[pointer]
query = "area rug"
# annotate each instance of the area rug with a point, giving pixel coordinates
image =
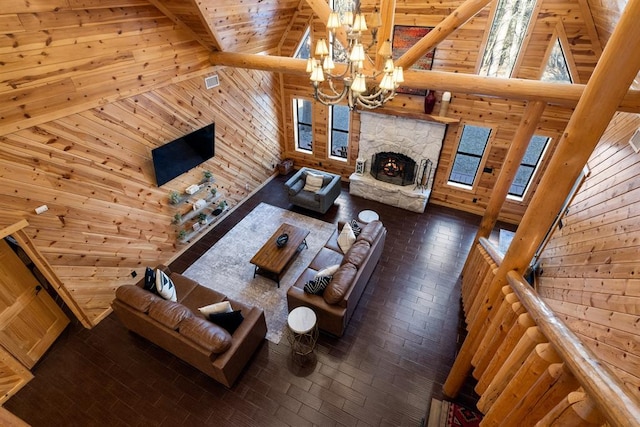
(459, 416)
(225, 266)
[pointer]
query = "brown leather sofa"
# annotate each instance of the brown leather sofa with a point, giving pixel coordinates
(335, 307)
(182, 330)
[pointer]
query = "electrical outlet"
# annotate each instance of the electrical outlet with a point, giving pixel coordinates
(246, 187)
(42, 209)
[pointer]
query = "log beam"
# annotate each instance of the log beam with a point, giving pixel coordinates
(452, 22)
(563, 94)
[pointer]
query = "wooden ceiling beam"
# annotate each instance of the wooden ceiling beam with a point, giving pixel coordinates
(184, 13)
(563, 94)
(452, 22)
(322, 10)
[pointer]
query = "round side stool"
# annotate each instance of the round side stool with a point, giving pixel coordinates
(303, 331)
(367, 216)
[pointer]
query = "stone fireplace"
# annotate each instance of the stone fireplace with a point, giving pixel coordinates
(395, 150)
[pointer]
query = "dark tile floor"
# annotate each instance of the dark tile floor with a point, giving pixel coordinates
(394, 357)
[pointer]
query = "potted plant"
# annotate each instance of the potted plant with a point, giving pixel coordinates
(202, 218)
(214, 191)
(208, 176)
(177, 218)
(174, 197)
(182, 234)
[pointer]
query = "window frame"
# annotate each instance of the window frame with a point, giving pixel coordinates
(330, 131)
(537, 167)
(481, 163)
(296, 125)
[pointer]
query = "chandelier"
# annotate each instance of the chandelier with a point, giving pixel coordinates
(357, 85)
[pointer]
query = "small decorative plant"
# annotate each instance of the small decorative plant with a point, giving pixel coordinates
(182, 234)
(174, 197)
(208, 176)
(177, 218)
(202, 218)
(214, 191)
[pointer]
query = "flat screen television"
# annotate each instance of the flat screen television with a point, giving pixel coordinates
(181, 155)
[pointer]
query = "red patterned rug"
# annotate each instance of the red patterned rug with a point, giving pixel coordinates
(459, 416)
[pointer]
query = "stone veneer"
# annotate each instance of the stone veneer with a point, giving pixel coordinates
(417, 139)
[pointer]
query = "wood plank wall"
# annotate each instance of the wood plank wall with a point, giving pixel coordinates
(89, 88)
(590, 266)
(458, 53)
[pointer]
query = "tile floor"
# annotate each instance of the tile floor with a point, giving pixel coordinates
(393, 359)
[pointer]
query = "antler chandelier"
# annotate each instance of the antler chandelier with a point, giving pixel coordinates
(354, 78)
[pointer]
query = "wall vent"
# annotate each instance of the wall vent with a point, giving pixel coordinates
(211, 81)
(635, 141)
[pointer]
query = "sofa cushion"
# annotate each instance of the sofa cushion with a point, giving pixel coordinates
(346, 238)
(325, 258)
(165, 287)
(357, 253)
(317, 285)
(332, 243)
(168, 313)
(356, 227)
(371, 231)
(229, 321)
(136, 297)
(296, 187)
(340, 284)
(313, 182)
(206, 334)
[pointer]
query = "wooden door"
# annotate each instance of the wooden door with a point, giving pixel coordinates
(30, 320)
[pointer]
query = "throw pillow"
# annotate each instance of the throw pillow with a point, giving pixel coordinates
(229, 321)
(165, 287)
(355, 227)
(317, 286)
(328, 271)
(313, 182)
(346, 238)
(219, 307)
(150, 280)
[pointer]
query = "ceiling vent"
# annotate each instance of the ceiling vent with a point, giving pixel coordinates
(635, 141)
(211, 81)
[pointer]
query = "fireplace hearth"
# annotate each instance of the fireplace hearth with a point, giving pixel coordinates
(394, 168)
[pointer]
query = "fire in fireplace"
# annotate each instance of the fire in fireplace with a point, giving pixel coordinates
(395, 168)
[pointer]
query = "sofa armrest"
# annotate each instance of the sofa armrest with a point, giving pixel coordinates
(297, 177)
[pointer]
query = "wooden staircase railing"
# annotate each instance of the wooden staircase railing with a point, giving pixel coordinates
(531, 369)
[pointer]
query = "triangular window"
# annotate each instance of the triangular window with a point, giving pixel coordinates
(303, 51)
(557, 69)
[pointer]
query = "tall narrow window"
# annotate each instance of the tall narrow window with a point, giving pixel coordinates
(505, 39)
(339, 131)
(528, 167)
(466, 163)
(302, 125)
(557, 69)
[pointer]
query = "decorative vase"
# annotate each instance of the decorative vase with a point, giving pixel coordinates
(282, 240)
(429, 101)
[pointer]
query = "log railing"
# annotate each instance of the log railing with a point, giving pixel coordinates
(531, 369)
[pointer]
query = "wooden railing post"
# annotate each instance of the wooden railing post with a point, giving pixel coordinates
(576, 410)
(533, 367)
(522, 350)
(549, 390)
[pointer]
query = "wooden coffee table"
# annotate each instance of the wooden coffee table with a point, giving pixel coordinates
(272, 261)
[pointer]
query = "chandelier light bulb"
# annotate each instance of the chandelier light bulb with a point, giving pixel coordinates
(321, 48)
(388, 66)
(328, 63)
(334, 21)
(375, 21)
(309, 65)
(359, 23)
(347, 19)
(385, 49)
(398, 75)
(387, 82)
(317, 75)
(359, 85)
(357, 53)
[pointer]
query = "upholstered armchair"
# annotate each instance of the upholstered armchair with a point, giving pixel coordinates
(313, 189)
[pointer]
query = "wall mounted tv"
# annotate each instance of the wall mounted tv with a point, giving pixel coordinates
(179, 156)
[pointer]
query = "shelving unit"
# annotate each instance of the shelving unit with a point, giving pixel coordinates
(194, 221)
